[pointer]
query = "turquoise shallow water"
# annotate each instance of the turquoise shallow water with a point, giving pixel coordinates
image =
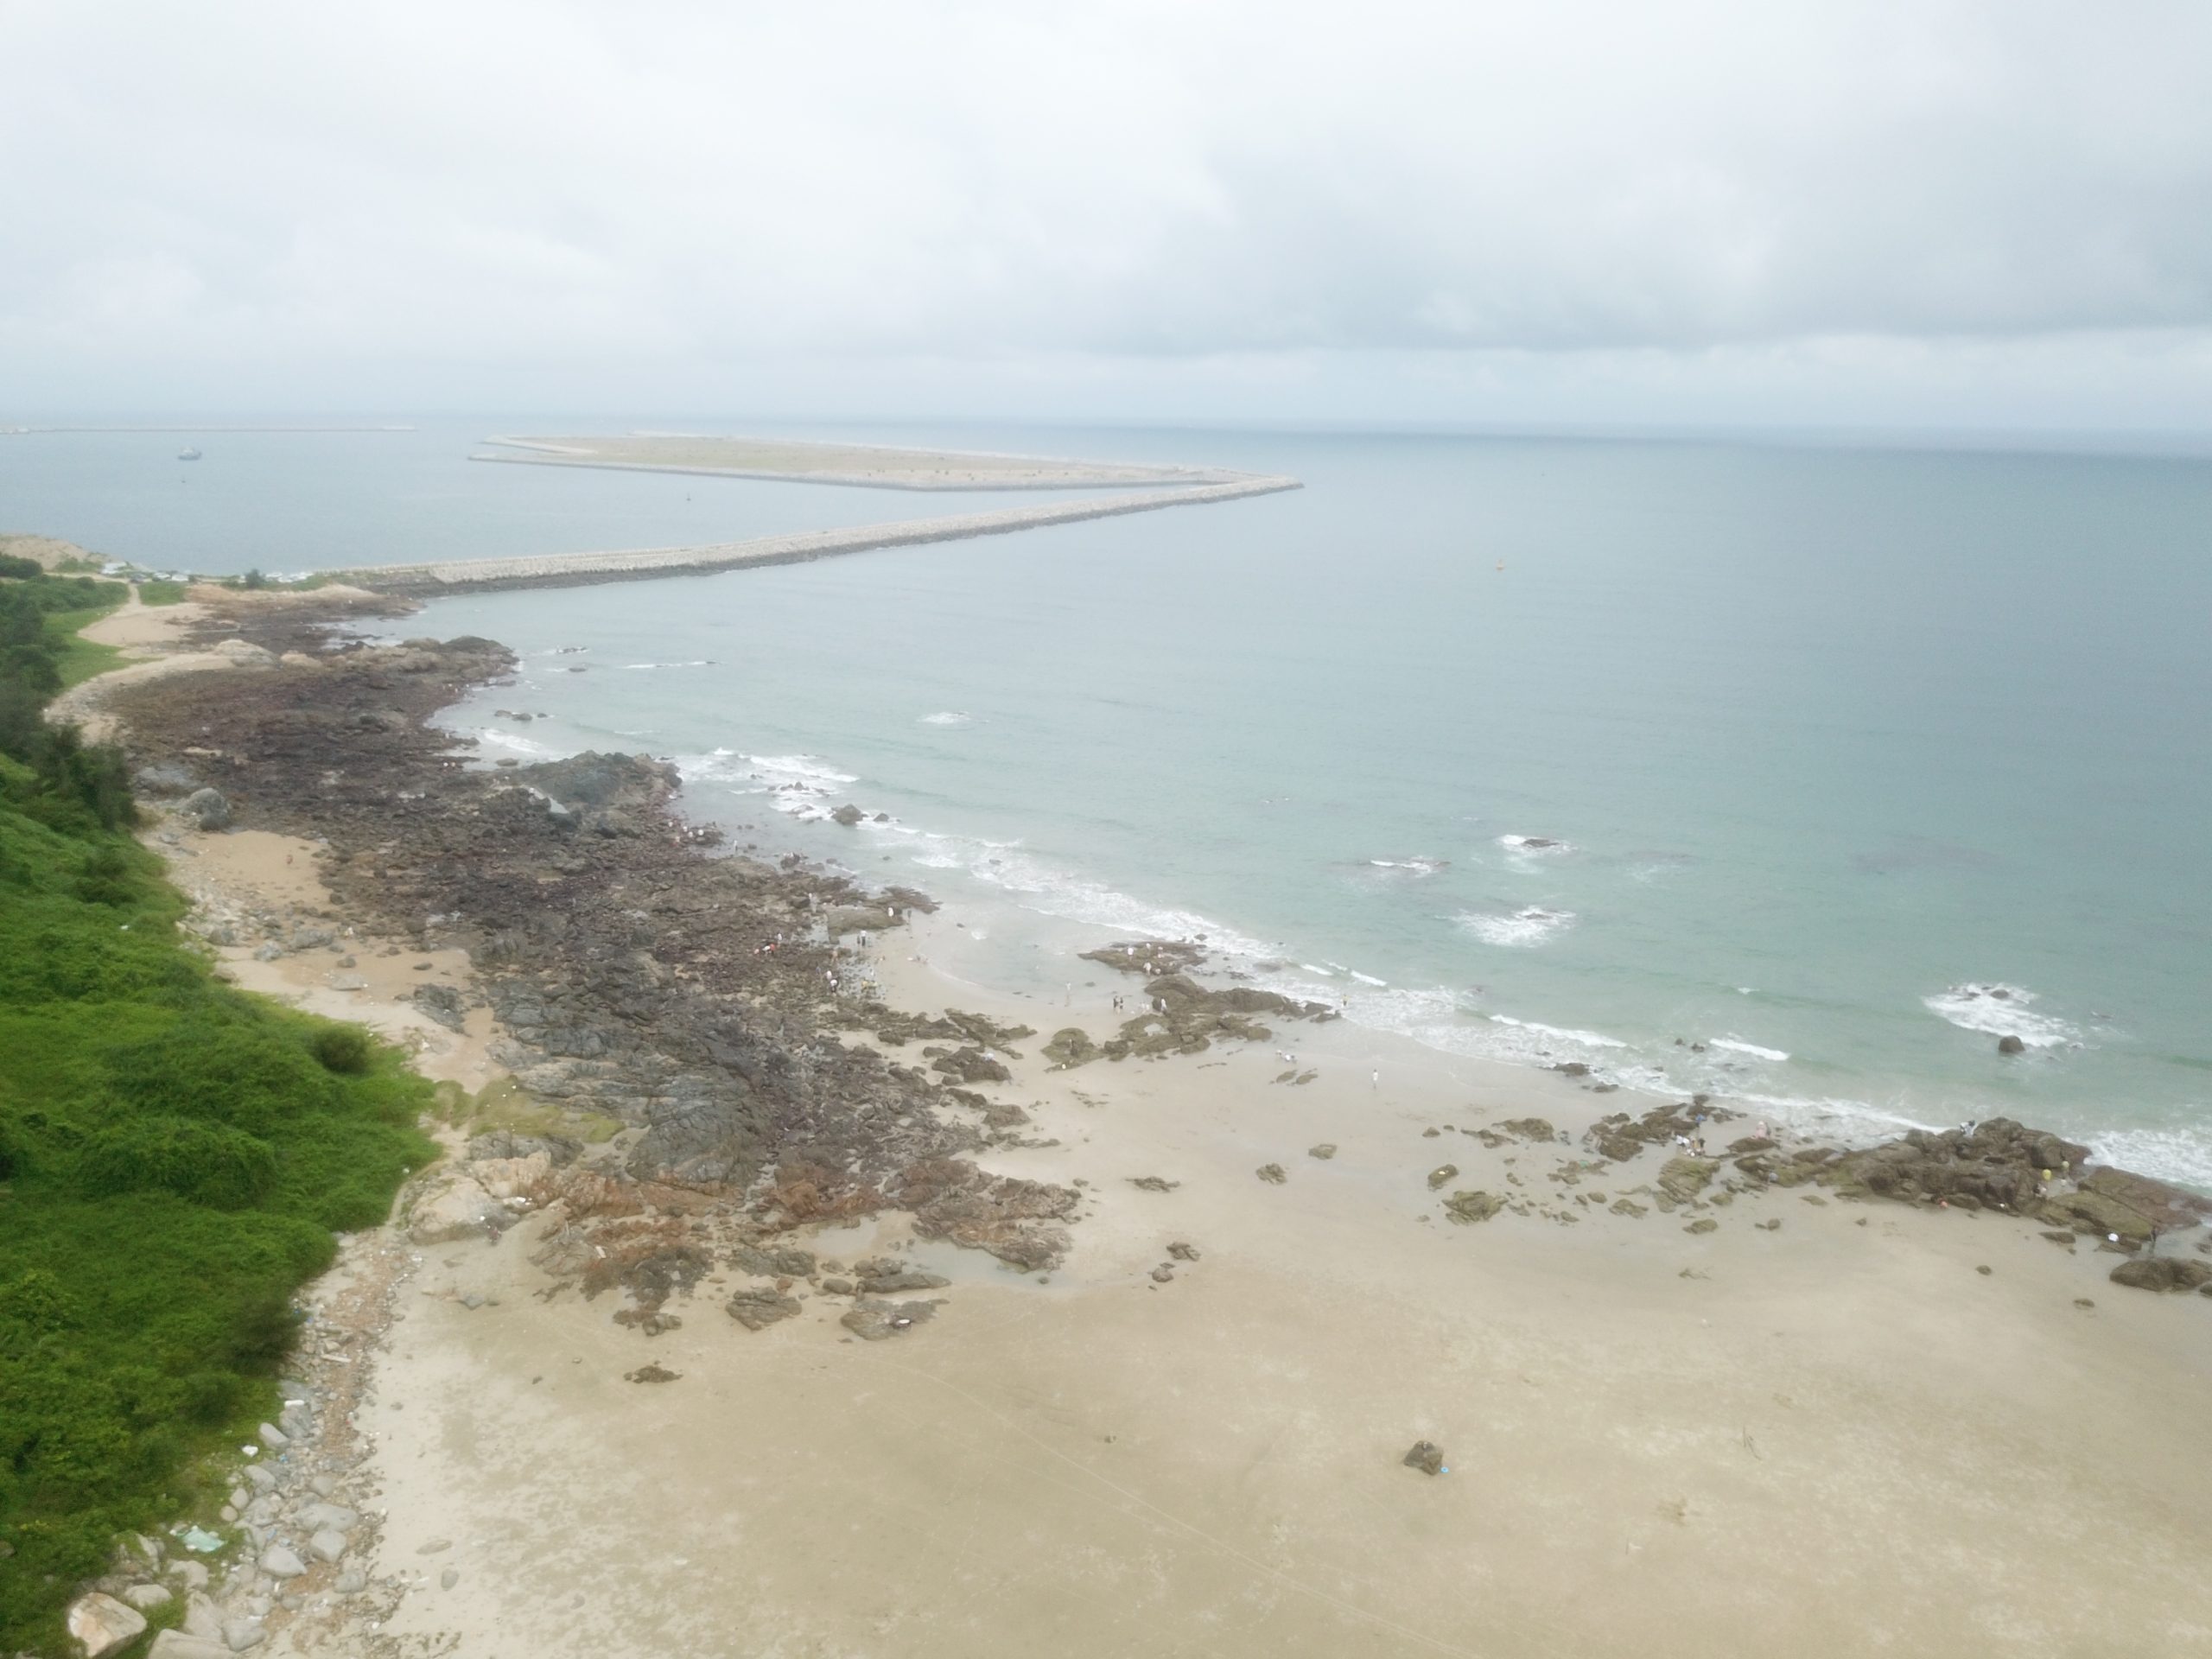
(1836, 744)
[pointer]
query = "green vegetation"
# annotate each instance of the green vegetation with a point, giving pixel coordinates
(173, 1157)
(161, 593)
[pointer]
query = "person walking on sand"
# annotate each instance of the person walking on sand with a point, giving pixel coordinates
(1375, 1078)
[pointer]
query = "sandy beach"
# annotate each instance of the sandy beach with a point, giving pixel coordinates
(864, 466)
(1818, 1424)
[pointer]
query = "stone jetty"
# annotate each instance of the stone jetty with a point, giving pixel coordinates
(642, 564)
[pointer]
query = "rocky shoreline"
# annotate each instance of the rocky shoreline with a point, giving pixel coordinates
(703, 1076)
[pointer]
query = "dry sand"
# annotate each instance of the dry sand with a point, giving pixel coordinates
(1830, 1440)
(867, 466)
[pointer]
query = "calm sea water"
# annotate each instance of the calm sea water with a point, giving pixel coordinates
(1839, 763)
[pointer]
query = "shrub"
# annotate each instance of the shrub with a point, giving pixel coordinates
(347, 1050)
(205, 1163)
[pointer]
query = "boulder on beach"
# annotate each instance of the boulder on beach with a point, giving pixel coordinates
(2163, 1273)
(2009, 1043)
(460, 1209)
(848, 814)
(103, 1624)
(208, 808)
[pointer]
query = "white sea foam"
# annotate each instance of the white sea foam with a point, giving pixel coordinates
(1563, 1034)
(1315, 968)
(701, 662)
(949, 717)
(801, 785)
(514, 740)
(2183, 1156)
(1418, 867)
(1533, 847)
(1370, 979)
(1754, 1050)
(1999, 1010)
(1530, 925)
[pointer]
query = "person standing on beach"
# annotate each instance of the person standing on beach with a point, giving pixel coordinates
(1375, 1078)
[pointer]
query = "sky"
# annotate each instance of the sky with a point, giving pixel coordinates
(1978, 213)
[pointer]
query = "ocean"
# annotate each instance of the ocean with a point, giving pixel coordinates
(1792, 772)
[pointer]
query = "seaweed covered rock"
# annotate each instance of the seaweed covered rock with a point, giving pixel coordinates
(1149, 958)
(756, 1310)
(1469, 1207)
(1071, 1047)
(2164, 1273)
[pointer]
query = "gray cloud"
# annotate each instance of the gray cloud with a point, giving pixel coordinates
(551, 200)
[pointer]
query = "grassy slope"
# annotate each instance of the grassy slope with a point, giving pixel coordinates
(174, 1156)
(79, 660)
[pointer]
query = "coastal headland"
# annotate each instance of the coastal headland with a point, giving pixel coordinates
(790, 1289)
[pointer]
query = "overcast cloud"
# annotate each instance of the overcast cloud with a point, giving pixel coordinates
(1728, 209)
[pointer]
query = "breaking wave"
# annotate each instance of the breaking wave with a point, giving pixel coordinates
(1999, 1010)
(1530, 925)
(1756, 1051)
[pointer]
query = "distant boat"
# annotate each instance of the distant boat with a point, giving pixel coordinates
(188, 454)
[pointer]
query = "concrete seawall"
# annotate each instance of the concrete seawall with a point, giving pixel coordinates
(645, 564)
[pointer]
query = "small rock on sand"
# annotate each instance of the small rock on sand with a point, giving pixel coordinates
(1426, 1456)
(1183, 1252)
(1441, 1175)
(1271, 1173)
(1465, 1207)
(1326, 1150)
(873, 1321)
